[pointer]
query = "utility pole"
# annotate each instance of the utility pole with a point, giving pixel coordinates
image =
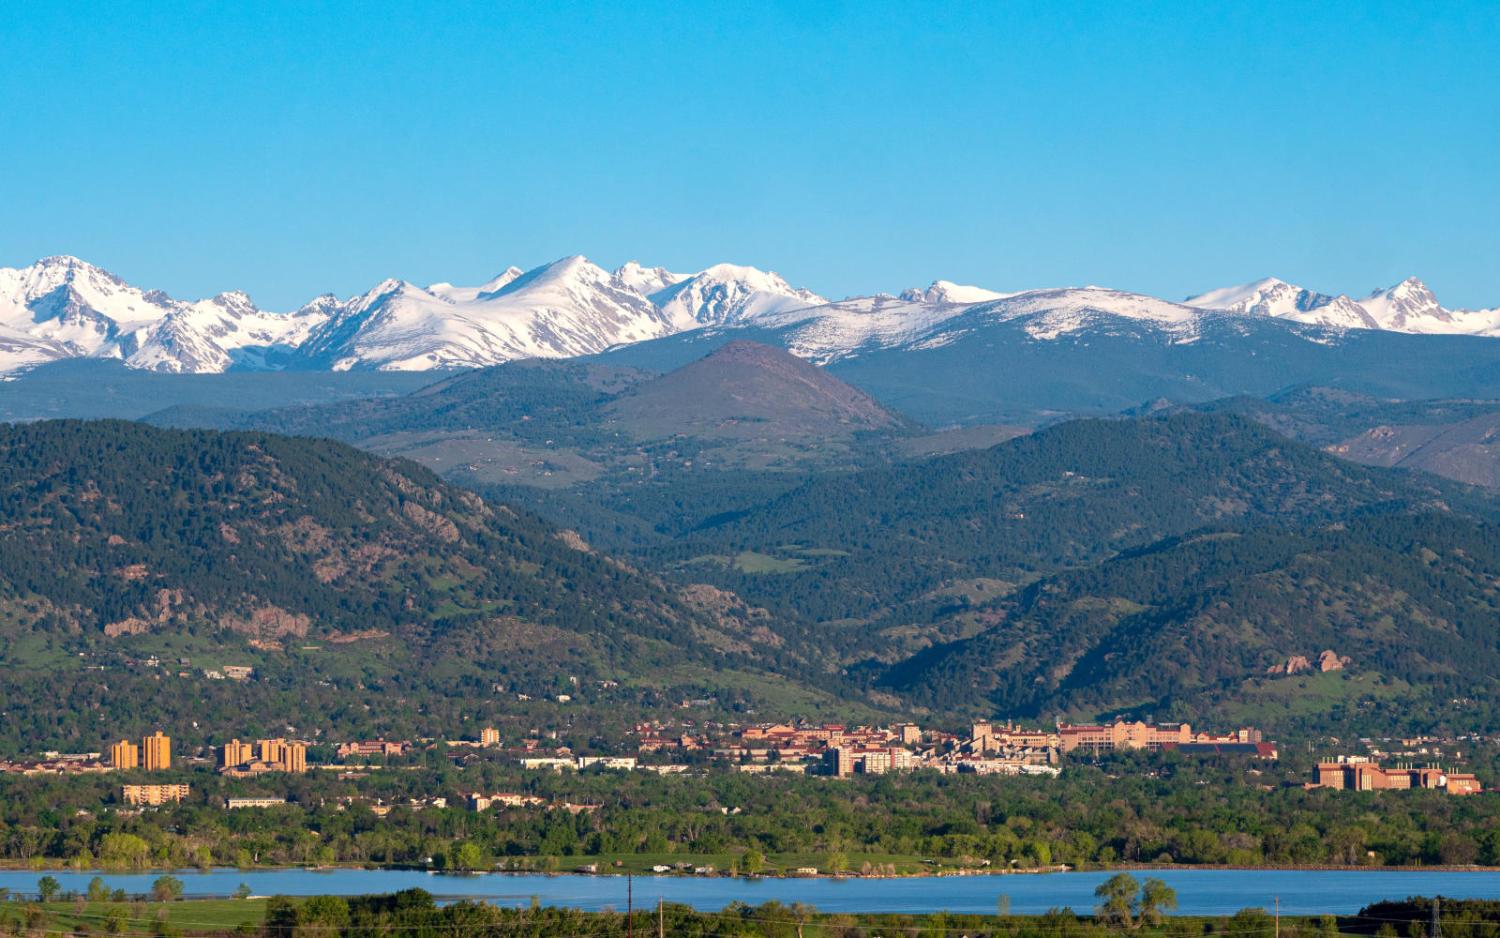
(1435, 930)
(661, 918)
(1277, 900)
(629, 907)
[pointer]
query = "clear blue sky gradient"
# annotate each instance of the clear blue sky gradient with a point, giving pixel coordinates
(292, 149)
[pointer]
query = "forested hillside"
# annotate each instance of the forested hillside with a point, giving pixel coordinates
(851, 546)
(1159, 565)
(121, 529)
(1409, 600)
(1450, 437)
(532, 399)
(344, 576)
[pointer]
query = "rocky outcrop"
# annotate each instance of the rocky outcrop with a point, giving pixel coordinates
(1331, 661)
(1293, 665)
(1328, 660)
(269, 623)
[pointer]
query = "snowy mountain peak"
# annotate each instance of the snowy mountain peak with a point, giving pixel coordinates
(565, 308)
(501, 279)
(1409, 286)
(574, 269)
(387, 287)
(946, 291)
(236, 300)
(1047, 314)
(1230, 297)
(1407, 304)
(1277, 298)
(467, 294)
(50, 273)
(63, 307)
(726, 294)
(60, 268)
(647, 280)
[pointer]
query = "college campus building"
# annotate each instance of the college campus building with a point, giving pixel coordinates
(988, 748)
(867, 760)
(240, 760)
(152, 795)
(373, 747)
(1357, 773)
(1152, 737)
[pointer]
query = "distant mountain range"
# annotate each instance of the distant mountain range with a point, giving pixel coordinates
(553, 423)
(62, 308)
(1038, 357)
(1406, 307)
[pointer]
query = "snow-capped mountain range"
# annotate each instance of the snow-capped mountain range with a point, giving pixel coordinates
(62, 307)
(1406, 307)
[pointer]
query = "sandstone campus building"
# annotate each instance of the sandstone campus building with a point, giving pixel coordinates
(1356, 773)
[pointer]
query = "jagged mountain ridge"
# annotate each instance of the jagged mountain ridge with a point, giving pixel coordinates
(62, 307)
(725, 294)
(567, 308)
(1409, 306)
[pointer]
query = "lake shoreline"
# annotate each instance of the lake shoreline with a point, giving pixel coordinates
(724, 874)
(1200, 891)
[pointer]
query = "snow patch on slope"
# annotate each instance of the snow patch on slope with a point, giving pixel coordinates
(1048, 314)
(836, 330)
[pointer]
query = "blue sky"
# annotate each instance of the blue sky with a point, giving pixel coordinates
(292, 149)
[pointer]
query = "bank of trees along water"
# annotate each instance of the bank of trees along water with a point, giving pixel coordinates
(1190, 813)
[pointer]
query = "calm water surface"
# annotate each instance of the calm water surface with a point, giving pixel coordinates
(1199, 892)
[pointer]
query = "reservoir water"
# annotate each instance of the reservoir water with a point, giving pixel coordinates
(1199, 892)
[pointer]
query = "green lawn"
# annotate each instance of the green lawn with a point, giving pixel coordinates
(191, 916)
(1266, 700)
